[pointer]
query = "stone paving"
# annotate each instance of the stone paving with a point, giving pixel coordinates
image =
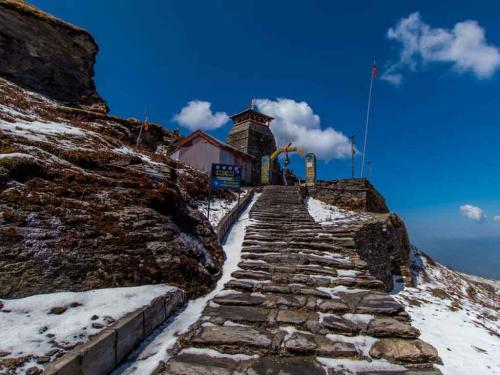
(301, 302)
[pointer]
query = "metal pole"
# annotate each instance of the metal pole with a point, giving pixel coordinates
(209, 199)
(366, 125)
(352, 154)
(139, 137)
(142, 125)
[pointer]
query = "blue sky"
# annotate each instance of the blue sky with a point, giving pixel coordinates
(434, 139)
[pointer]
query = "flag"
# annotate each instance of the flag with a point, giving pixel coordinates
(374, 70)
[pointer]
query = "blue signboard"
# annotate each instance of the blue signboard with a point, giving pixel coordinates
(225, 176)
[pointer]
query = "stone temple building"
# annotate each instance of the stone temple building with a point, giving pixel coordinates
(251, 134)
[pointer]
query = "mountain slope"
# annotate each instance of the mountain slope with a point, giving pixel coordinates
(456, 313)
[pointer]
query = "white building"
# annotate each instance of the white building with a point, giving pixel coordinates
(200, 150)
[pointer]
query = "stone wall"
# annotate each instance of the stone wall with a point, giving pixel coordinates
(382, 241)
(354, 194)
(384, 245)
(44, 54)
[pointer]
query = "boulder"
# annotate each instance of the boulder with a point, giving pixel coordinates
(405, 351)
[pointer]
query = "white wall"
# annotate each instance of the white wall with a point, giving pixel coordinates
(200, 155)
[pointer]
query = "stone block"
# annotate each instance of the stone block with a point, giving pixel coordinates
(98, 355)
(129, 333)
(232, 336)
(154, 314)
(69, 364)
(173, 300)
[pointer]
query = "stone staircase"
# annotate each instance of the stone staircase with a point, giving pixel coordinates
(302, 302)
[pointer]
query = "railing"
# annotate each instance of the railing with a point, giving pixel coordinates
(230, 218)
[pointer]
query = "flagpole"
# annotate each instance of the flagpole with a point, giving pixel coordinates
(367, 119)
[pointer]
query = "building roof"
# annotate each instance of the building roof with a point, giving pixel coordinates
(215, 142)
(264, 118)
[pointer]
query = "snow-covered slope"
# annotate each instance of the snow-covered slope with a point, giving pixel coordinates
(40, 328)
(456, 313)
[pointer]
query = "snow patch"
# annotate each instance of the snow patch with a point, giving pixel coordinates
(215, 354)
(219, 207)
(359, 318)
(362, 343)
(327, 214)
(350, 366)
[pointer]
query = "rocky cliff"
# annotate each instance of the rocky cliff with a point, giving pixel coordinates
(82, 208)
(42, 53)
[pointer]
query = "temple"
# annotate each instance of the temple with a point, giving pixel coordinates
(251, 134)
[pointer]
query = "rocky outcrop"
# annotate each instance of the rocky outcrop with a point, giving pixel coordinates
(383, 243)
(82, 208)
(380, 239)
(47, 55)
(355, 194)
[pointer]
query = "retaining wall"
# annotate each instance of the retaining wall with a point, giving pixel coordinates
(230, 218)
(109, 347)
(351, 193)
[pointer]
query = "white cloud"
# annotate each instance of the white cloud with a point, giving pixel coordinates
(296, 122)
(464, 47)
(197, 114)
(496, 218)
(473, 212)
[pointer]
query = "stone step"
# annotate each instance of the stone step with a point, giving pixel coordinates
(326, 246)
(301, 292)
(290, 269)
(308, 280)
(282, 248)
(300, 258)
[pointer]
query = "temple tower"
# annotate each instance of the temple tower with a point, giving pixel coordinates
(252, 135)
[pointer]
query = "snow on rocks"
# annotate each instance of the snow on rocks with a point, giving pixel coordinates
(46, 325)
(108, 212)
